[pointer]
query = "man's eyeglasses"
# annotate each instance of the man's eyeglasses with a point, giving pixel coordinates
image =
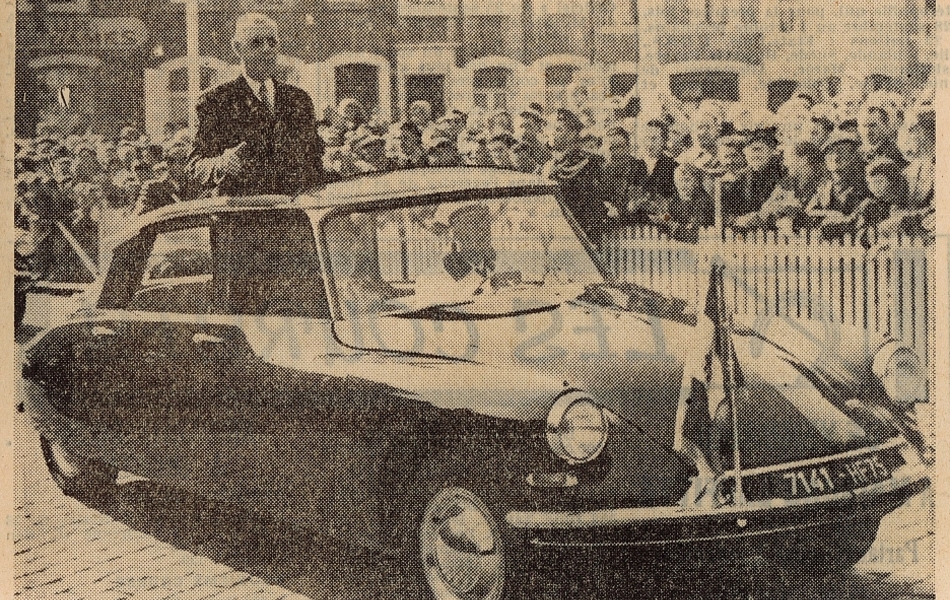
(262, 40)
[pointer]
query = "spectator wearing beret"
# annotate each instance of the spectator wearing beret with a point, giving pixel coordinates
(624, 177)
(579, 174)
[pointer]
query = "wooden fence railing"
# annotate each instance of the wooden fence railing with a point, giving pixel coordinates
(886, 289)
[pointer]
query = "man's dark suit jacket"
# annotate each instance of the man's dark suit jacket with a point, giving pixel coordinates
(660, 180)
(284, 153)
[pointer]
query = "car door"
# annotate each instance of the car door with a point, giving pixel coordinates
(264, 429)
(168, 311)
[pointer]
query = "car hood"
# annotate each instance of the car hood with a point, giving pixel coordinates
(635, 365)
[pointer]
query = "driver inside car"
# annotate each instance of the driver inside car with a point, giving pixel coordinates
(470, 266)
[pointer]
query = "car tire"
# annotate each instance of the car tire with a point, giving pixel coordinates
(460, 552)
(76, 476)
(826, 550)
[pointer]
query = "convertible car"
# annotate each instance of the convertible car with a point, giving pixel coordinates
(437, 366)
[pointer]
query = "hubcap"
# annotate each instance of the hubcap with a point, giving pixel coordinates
(461, 548)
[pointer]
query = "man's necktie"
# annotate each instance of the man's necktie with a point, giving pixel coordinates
(265, 100)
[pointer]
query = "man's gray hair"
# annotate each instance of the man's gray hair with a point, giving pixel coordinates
(249, 20)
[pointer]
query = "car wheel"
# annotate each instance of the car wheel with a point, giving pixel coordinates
(460, 548)
(826, 550)
(76, 476)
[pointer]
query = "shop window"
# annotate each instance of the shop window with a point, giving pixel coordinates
(178, 101)
(491, 87)
(359, 81)
(430, 88)
(557, 79)
(695, 87)
(620, 84)
(780, 91)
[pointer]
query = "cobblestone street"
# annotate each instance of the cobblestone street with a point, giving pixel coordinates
(147, 542)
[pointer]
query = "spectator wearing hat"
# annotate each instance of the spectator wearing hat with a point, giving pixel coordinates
(879, 134)
(660, 164)
(624, 176)
(499, 146)
(784, 209)
(579, 174)
(256, 134)
(531, 131)
(755, 183)
(845, 188)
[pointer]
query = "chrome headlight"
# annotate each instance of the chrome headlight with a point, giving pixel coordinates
(576, 428)
(901, 372)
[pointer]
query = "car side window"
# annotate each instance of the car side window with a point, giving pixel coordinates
(268, 265)
(178, 273)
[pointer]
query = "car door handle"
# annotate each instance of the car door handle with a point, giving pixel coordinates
(99, 332)
(204, 338)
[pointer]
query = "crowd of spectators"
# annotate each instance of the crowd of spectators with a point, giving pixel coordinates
(835, 166)
(817, 163)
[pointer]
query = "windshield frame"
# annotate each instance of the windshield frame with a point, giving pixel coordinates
(320, 218)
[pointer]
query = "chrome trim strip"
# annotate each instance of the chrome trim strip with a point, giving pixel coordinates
(711, 538)
(618, 517)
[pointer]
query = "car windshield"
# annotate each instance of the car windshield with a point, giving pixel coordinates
(495, 255)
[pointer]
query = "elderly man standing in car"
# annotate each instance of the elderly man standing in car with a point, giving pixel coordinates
(256, 135)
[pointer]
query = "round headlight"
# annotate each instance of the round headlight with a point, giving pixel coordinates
(576, 428)
(901, 373)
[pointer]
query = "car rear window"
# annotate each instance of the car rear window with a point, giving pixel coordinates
(178, 273)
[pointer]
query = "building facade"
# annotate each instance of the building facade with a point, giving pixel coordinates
(125, 62)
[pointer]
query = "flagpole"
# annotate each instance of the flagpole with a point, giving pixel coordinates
(194, 69)
(725, 322)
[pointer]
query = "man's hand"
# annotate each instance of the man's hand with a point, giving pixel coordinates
(230, 162)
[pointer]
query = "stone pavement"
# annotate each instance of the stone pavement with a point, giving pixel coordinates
(145, 542)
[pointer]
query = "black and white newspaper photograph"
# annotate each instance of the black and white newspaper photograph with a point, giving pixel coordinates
(474, 299)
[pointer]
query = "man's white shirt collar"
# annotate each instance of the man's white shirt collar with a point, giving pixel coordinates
(261, 87)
